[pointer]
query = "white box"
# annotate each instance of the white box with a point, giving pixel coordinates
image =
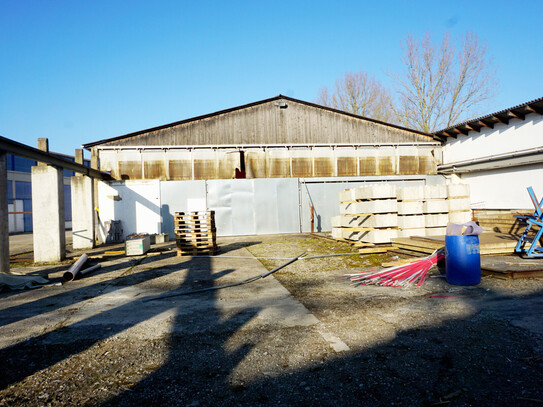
(137, 246)
(411, 222)
(435, 192)
(337, 233)
(458, 191)
(410, 193)
(410, 208)
(412, 232)
(459, 204)
(336, 221)
(381, 206)
(379, 235)
(436, 220)
(436, 231)
(377, 191)
(369, 221)
(436, 206)
(346, 196)
(460, 217)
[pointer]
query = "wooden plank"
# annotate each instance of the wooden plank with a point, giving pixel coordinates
(374, 250)
(358, 229)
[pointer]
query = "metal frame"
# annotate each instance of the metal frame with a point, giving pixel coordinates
(536, 219)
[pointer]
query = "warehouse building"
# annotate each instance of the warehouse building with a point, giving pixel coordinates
(263, 167)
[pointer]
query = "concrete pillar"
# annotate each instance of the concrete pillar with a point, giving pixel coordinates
(4, 221)
(95, 164)
(48, 212)
(82, 208)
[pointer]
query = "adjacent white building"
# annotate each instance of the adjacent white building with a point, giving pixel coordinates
(498, 155)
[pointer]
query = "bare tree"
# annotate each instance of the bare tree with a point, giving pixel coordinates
(359, 93)
(442, 84)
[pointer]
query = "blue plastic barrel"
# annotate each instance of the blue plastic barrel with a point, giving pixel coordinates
(462, 260)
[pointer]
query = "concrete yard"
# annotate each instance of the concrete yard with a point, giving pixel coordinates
(302, 336)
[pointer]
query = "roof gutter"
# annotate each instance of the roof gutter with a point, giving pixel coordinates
(513, 159)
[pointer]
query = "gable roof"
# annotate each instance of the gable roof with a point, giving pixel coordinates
(220, 112)
(503, 116)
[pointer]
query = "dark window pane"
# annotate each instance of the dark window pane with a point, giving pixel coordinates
(67, 203)
(23, 190)
(10, 190)
(22, 164)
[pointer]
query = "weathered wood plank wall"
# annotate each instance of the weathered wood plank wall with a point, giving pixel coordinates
(269, 123)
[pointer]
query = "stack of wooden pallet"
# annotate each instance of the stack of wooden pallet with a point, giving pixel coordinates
(195, 233)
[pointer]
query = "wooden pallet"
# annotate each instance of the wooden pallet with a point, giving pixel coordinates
(196, 251)
(195, 233)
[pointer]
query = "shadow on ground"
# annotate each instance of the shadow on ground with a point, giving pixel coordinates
(217, 359)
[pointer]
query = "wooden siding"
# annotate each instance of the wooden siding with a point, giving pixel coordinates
(269, 123)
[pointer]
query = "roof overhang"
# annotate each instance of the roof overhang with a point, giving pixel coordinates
(489, 121)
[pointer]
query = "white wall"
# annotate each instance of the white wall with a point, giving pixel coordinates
(135, 204)
(500, 188)
(506, 188)
(503, 138)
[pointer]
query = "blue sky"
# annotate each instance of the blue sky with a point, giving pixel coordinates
(79, 71)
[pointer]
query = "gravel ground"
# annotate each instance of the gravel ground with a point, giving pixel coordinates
(479, 346)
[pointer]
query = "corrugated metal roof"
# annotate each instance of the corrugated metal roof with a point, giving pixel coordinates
(503, 116)
(165, 126)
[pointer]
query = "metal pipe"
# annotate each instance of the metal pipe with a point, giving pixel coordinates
(453, 167)
(89, 270)
(75, 268)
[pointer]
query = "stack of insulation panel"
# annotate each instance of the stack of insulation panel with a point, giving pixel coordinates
(436, 210)
(410, 212)
(459, 203)
(368, 214)
(195, 233)
(378, 213)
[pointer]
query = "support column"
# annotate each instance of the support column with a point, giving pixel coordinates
(4, 221)
(49, 232)
(82, 208)
(99, 236)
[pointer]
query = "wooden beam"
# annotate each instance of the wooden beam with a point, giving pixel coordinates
(473, 128)
(517, 115)
(535, 109)
(465, 133)
(501, 120)
(449, 134)
(484, 124)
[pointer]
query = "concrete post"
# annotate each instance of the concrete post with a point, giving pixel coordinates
(82, 208)
(49, 233)
(95, 164)
(4, 221)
